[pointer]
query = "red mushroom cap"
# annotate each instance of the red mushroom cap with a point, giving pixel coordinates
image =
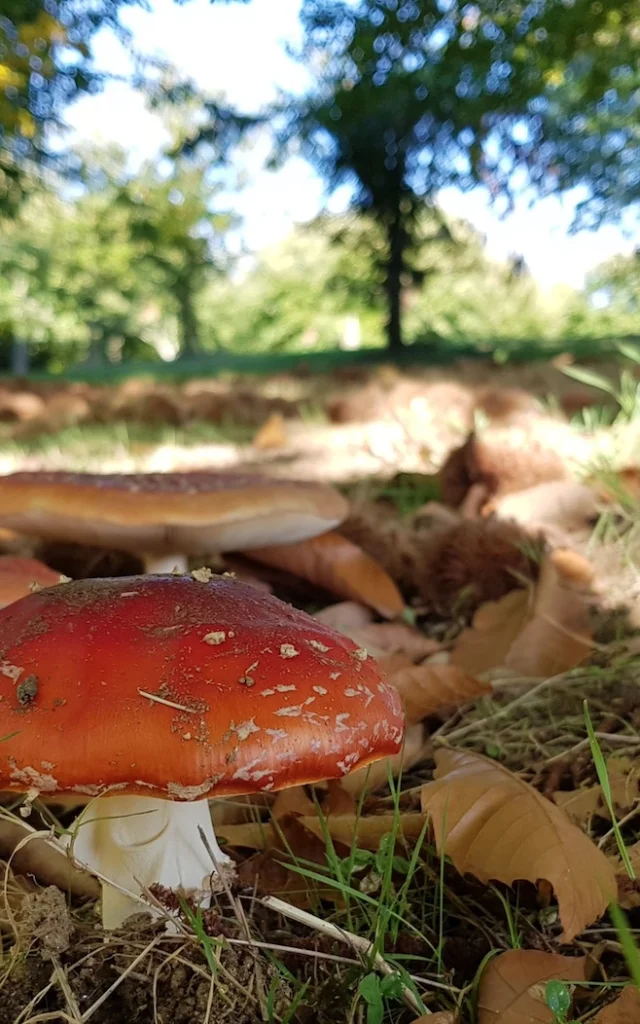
(182, 688)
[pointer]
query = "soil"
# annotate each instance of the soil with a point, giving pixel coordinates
(172, 984)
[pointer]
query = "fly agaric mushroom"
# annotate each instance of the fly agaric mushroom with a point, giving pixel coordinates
(19, 576)
(163, 517)
(152, 694)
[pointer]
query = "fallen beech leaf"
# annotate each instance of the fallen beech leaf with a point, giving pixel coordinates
(579, 804)
(272, 433)
(239, 809)
(393, 638)
(634, 857)
(342, 828)
(495, 626)
(338, 801)
(625, 1009)
(269, 872)
(292, 801)
(558, 507)
(499, 827)
(392, 663)
(345, 616)
(377, 774)
(367, 831)
(558, 635)
(512, 987)
(430, 689)
(336, 564)
(624, 780)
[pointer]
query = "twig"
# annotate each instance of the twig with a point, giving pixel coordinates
(63, 983)
(356, 942)
(240, 914)
(116, 984)
(502, 712)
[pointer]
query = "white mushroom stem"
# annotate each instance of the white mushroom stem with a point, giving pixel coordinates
(137, 841)
(161, 565)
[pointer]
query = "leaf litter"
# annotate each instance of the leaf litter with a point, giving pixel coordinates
(484, 870)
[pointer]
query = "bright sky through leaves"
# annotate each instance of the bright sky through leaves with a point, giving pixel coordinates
(239, 49)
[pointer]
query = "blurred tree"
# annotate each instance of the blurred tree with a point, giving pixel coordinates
(179, 235)
(72, 289)
(413, 95)
(613, 289)
(45, 62)
(300, 294)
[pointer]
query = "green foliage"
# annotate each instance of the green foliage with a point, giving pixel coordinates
(558, 999)
(45, 63)
(110, 272)
(299, 294)
(178, 235)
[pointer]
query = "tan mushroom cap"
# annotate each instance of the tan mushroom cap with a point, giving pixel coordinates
(191, 512)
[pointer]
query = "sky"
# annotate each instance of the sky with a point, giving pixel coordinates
(239, 50)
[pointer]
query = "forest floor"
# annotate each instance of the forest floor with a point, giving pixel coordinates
(488, 876)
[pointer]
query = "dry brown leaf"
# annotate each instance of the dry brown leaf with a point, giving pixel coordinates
(558, 635)
(381, 639)
(392, 663)
(579, 804)
(625, 1009)
(268, 871)
(368, 831)
(272, 433)
(538, 638)
(338, 800)
(292, 801)
(495, 626)
(336, 564)
(345, 616)
(634, 857)
(558, 507)
(239, 809)
(624, 780)
(376, 775)
(394, 638)
(512, 987)
(431, 689)
(499, 827)
(342, 827)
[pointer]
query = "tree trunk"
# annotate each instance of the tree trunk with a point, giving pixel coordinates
(396, 240)
(188, 326)
(19, 357)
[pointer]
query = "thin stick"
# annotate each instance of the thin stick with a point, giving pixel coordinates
(240, 914)
(168, 703)
(132, 966)
(501, 712)
(63, 983)
(355, 941)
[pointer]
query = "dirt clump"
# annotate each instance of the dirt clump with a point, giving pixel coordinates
(171, 984)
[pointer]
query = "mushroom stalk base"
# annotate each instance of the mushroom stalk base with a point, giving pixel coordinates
(162, 565)
(137, 841)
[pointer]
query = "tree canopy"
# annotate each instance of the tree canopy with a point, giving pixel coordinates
(412, 96)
